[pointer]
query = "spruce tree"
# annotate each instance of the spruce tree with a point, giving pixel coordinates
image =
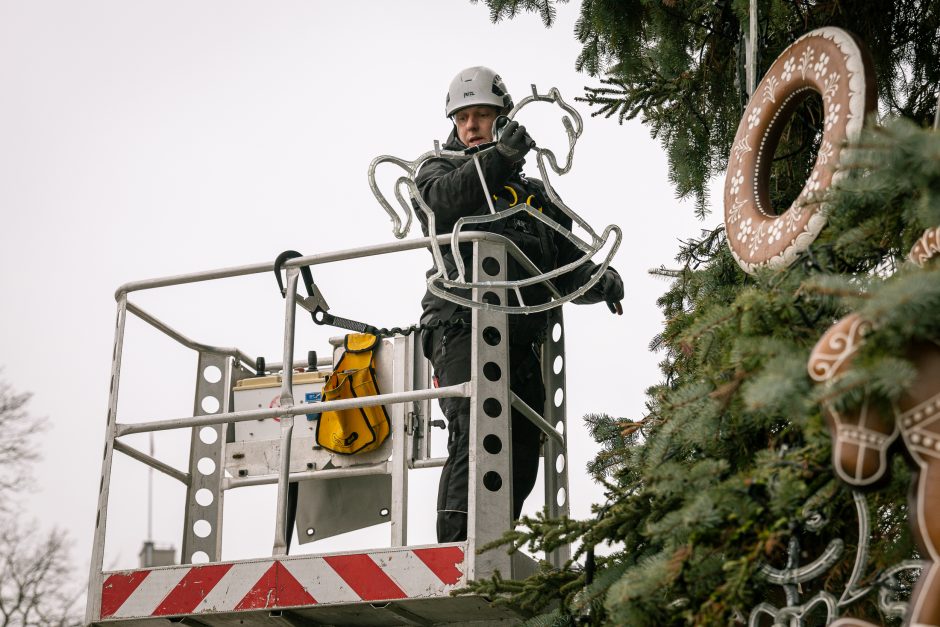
(731, 460)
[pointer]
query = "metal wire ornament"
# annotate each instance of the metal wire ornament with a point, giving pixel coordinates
(792, 576)
(442, 285)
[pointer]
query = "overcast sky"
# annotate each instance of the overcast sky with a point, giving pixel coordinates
(145, 139)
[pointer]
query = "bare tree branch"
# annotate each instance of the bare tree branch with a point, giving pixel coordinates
(16, 449)
(37, 585)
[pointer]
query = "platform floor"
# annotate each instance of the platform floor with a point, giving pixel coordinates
(464, 610)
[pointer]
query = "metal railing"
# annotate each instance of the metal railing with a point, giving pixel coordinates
(489, 510)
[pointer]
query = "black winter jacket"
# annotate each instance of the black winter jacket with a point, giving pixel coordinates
(451, 188)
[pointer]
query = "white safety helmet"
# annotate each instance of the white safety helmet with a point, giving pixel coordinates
(477, 86)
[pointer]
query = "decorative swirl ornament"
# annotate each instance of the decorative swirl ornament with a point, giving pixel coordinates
(827, 61)
(839, 344)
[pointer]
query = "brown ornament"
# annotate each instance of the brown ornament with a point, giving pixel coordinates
(926, 247)
(827, 61)
(861, 439)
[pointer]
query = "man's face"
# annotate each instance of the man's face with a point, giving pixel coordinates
(475, 124)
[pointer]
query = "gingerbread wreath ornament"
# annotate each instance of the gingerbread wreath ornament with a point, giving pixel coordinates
(827, 61)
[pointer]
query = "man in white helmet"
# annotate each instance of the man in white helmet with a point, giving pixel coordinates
(452, 189)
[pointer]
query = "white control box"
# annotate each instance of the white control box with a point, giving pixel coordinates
(265, 393)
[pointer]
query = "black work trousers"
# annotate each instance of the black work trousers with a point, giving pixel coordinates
(449, 352)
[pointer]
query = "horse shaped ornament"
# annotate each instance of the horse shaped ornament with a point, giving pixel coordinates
(862, 437)
(445, 286)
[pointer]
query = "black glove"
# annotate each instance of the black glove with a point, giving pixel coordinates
(514, 142)
(612, 288)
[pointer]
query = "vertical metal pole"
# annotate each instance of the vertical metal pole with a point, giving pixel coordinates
(287, 421)
(936, 115)
(555, 462)
(150, 498)
(95, 577)
(751, 54)
(421, 380)
(401, 376)
(202, 523)
(490, 477)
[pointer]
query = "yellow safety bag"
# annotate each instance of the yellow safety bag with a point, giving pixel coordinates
(361, 429)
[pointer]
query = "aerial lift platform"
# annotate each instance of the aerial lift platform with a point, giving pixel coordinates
(397, 584)
(236, 442)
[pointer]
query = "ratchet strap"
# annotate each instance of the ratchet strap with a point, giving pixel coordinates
(319, 310)
(315, 303)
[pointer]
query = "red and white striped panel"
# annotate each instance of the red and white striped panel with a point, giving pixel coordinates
(291, 582)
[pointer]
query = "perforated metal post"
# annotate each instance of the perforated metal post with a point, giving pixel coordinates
(490, 480)
(202, 526)
(556, 455)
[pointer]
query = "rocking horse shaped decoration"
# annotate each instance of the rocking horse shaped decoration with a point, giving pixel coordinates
(450, 287)
(863, 435)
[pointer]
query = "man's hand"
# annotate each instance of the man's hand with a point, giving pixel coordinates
(612, 288)
(514, 142)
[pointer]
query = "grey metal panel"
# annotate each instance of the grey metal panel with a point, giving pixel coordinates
(205, 454)
(318, 506)
(330, 507)
(490, 477)
(555, 454)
